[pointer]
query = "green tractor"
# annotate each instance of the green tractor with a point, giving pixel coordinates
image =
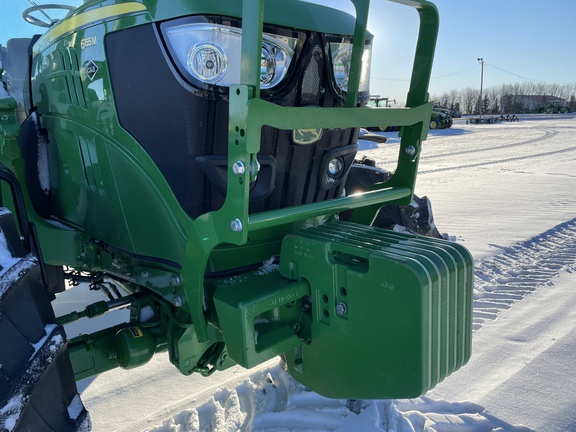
(441, 119)
(196, 161)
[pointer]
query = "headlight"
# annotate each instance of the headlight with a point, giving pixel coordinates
(341, 60)
(276, 58)
(207, 62)
(211, 53)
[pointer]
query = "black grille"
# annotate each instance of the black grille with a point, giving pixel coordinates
(185, 132)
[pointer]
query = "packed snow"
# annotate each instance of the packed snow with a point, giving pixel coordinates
(6, 259)
(506, 192)
(42, 160)
(11, 268)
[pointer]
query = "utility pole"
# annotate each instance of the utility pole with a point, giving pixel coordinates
(481, 61)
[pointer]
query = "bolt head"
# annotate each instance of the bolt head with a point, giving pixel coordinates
(410, 150)
(254, 170)
(341, 308)
(238, 168)
(236, 225)
(177, 301)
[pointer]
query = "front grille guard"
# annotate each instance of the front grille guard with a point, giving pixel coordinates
(232, 223)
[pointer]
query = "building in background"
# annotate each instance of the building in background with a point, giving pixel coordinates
(533, 104)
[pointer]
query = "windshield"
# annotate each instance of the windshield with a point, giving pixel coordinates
(12, 25)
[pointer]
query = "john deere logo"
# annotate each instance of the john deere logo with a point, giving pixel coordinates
(306, 136)
(91, 70)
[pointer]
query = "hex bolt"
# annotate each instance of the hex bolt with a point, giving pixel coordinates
(177, 301)
(236, 225)
(410, 150)
(254, 170)
(145, 274)
(175, 281)
(238, 168)
(341, 308)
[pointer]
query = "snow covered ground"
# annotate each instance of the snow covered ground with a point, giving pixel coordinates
(507, 192)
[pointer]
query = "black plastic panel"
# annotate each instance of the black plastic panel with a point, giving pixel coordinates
(179, 126)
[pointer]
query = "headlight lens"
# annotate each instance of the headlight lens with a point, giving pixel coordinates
(207, 62)
(211, 53)
(335, 167)
(341, 61)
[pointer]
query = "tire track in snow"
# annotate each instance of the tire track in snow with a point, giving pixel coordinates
(500, 161)
(425, 414)
(272, 401)
(508, 277)
(547, 134)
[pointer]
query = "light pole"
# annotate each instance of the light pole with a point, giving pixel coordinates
(481, 61)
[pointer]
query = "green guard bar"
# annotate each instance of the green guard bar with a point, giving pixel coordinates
(248, 113)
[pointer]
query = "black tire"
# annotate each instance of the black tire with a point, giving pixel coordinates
(416, 218)
(37, 387)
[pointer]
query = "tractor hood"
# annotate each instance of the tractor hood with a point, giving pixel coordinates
(294, 14)
(298, 15)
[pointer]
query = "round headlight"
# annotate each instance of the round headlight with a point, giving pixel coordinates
(274, 61)
(207, 62)
(341, 61)
(267, 66)
(335, 167)
(207, 53)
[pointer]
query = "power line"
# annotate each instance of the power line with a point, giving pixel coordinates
(472, 67)
(519, 76)
(434, 77)
(455, 73)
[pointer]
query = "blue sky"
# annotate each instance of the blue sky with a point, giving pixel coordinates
(11, 22)
(519, 40)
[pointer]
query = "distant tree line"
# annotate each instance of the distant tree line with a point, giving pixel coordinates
(506, 98)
